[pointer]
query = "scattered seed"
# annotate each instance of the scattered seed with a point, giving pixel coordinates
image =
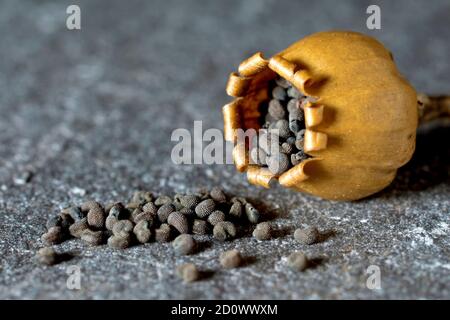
(93, 238)
(298, 157)
(142, 197)
(252, 213)
(188, 213)
(297, 261)
(150, 207)
(142, 231)
(218, 195)
(75, 213)
(162, 200)
(122, 227)
(230, 259)
(236, 210)
(178, 221)
(188, 272)
(133, 205)
(119, 242)
(95, 214)
(307, 235)
(200, 227)
(163, 233)
(287, 148)
(164, 211)
(144, 216)
(77, 228)
(263, 231)
(205, 208)
(224, 230)
(54, 235)
(47, 256)
(184, 244)
(215, 217)
(118, 211)
(189, 201)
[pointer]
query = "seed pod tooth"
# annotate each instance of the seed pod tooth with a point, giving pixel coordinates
(253, 65)
(237, 85)
(232, 120)
(313, 114)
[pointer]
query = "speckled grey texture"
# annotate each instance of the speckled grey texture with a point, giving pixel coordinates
(90, 114)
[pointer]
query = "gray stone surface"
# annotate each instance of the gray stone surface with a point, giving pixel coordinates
(90, 114)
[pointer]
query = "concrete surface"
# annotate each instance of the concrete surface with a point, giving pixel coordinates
(90, 113)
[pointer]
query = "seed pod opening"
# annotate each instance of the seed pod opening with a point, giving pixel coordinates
(359, 114)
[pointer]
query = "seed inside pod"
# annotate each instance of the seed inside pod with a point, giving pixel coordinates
(178, 221)
(188, 272)
(54, 235)
(122, 227)
(231, 259)
(276, 110)
(47, 256)
(164, 211)
(258, 156)
(77, 228)
(218, 195)
(119, 242)
(200, 227)
(184, 244)
(307, 235)
(163, 233)
(224, 230)
(93, 238)
(189, 201)
(297, 261)
(278, 163)
(205, 208)
(142, 231)
(263, 231)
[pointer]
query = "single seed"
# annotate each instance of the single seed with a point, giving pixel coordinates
(278, 163)
(300, 138)
(54, 235)
(263, 231)
(297, 261)
(133, 205)
(47, 256)
(230, 259)
(283, 128)
(236, 210)
(200, 227)
(293, 105)
(218, 195)
(178, 221)
(252, 213)
(118, 211)
(150, 207)
(205, 208)
(163, 233)
(215, 217)
(188, 272)
(135, 213)
(188, 213)
(294, 93)
(142, 197)
(276, 110)
(119, 242)
(122, 227)
(184, 244)
(224, 230)
(142, 231)
(110, 221)
(93, 238)
(307, 235)
(162, 200)
(164, 211)
(75, 213)
(279, 93)
(144, 216)
(77, 228)
(95, 214)
(189, 201)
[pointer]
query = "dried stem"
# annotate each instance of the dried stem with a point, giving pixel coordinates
(433, 108)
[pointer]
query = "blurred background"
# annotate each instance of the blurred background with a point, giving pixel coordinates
(89, 113)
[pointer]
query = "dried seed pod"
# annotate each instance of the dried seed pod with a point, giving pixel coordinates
(162, 200)
(142, 231)
(278, 163)
(215, 217)
(204, 208)
(95, 214)
(54, 221)
(218, 195)
(118, 211)
(142, 197)
(252, 213)
(164, 211)
(54, 235)
(119, 242)
(163, 233)
(263, 231)
(276, 110)
(77, 228)
(200, 227)
(224, 230)
(122, 227)
(279, 93)
(236, 210)
(307, 235)
(93, 238)
(178, 221)
(150, 207)
(230, 259)
(188, 272)
(297, 261)
(189, 201)
(47, 256)
(184, 244)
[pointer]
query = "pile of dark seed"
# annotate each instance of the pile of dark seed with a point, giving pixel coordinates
(148, 218)
(279, 144)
